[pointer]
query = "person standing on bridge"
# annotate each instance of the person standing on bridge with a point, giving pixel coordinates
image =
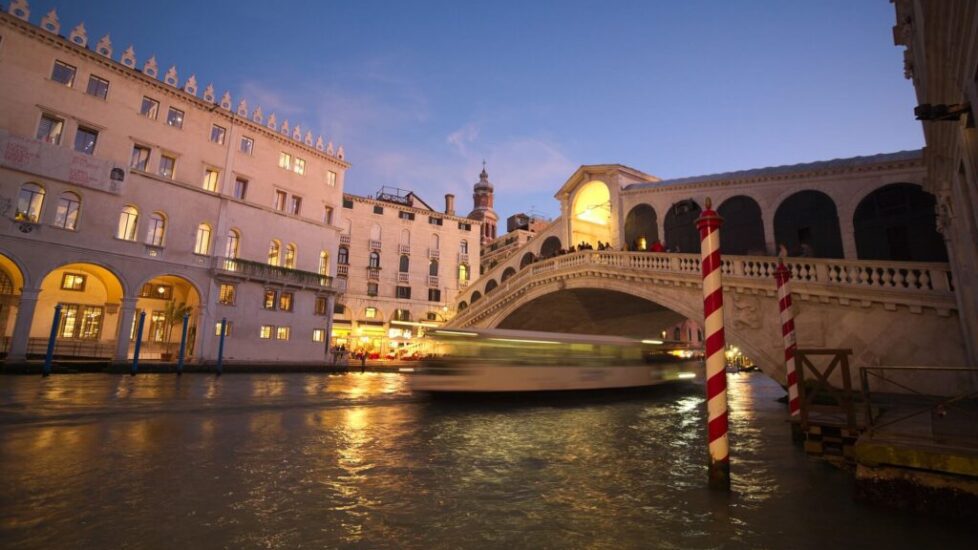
(657, 247)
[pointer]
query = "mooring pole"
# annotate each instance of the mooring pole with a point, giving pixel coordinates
(183, 343)
(783, 276)
(716, 373)
(55, 323)
(139, 343)
(220, 346)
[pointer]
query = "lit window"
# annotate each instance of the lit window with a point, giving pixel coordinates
(463, 273)
(156, 291)
(226, 294)
(328, 215)
(266, 332)
(402, 315)
(318, 335)
(156, 229)
(321, 305)
(150, 108)
(300, 166)
(324, 263)
(73, 281)
(174, 117)
(139, 158)
(370, 313)
(202, 245)
(128, 219)
(50, 128)
(247, 145)
(280, 200)
(217, 134)
(289, 260)
(29, 202)
(282, 333)
(67, 215)
(273, 253)
(227, 328)
(63, 73)
(285, 301)
(295, 205)
(168, 166)
(331, 178)
(240, 188)
(231, 248)
(210, 180)
(285, 161)
(97, 87)
(271, 296)
(85, 139)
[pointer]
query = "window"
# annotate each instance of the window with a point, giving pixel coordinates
(218, 133)
(29, 202)
(85, 139)
(347, 203)
(434, 221)
(285, 161)
(431, 316)
(156, 291)
(247, 145)
(225, 295)
(374, 260)
(405, 215)
(299, 167)
(318, 335)
(240, 188)
(370, 313)
(434, 294)
(405, 264)
(282, 333)
(339, 309)
(271, 297)
(63, 73)
(273, 253)
(465, 226)
(289, 261)
(227, 328)
(210, 180)
(280, 200)
(97, 87)
(403, 292)
(285, 301)
(174, 117)
(328, 215)
(331, 178)
(463, 247)
(150, 108)
(168, 166)
(343, 256)
(157, 325)
(156, 229)
(372, 289)
(231, 247)
(321, 305)
(324, 263)
(81, 322)
(463, 273)
(295, 205)
(50, 128)
(266, 332)
(202, 245)
(140, 157)
(66, 216)
(433, 268)
(378, 209)
(73, 281)
(127, 223)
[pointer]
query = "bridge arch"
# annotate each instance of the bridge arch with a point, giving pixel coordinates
(550, 247)
(743, 228)
(680, 227)
(491, 285)
(527, 259)
(507, 273)
(898, 222)
(641, 227)
(807, 223)
(476, 296)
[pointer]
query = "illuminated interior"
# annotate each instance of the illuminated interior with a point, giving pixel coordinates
(591, 220)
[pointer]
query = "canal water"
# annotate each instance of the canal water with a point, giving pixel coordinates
(357, 461)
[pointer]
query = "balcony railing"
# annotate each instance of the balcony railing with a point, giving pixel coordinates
(374, 245)
(257, 271)
(345, 240)
(404, 249)
(342, 271)
(463, 258)
(433, 253)
(373, 274)
(402, 277)
(433, 280)
(463, 284)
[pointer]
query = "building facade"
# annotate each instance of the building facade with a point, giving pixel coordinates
(482, 203)
(127, 194)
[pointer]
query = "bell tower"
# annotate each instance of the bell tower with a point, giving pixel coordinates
(482, 201)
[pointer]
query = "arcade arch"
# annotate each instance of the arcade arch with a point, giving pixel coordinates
(641, 227)
(680, 227)
(898, 222)
(550, 247)
(807, 223)
(743, 228)
(591, 213)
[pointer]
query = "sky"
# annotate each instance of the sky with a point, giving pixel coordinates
(419, 93)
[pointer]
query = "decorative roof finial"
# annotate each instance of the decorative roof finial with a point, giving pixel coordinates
(171, 76)
(104, 46)
(79, 35)
(308, 139)
(20, 9)
(50, 22)
(297, 133)
(150, 68)
(258, 116)
(129, 57)
(209, 93)
(319, 143)
(273, 122)
(190, 86)
(226, 101)
(285, 126)
(243, 108)
(329, 149)
(339, 153)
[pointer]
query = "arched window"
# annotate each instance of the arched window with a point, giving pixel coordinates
(233, 243)
(375, 232)
(433, 268)
(343, 256)
(324, 263)
(898, 222)
(807, 223)
(29, 203)
(274, 249)
(507, 273)
(743, 230)
(463, 273)
(641, 227)
(156, 229)
(680, 227)
(463, 247)
(405, 264)
(550, 247)
(491, 285)
(527, 259)
(289, 261)
(203, 243)
(462, 306)
(402, 315)
(67, 215)
(128, 219)
(405, 237)
(476, 296)
(374, 259)
(435, 241)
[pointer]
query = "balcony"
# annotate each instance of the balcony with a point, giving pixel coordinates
(402, 277)
(403, 249)
(433, 253)
(463, 257)
(374, 245)
(433, 281)
(345, 240)
(463, 284)
(248, 270)
(342, 271)
(373, 273)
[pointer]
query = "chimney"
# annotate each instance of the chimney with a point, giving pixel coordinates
(450, 204)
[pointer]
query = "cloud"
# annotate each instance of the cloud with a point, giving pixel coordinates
(464, 135)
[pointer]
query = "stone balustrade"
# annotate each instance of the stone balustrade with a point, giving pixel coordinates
(271, 274)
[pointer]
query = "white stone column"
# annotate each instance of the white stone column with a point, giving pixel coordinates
(330, 305)
(848, 232)
(22, 325)
(127, 312)
(770, 242)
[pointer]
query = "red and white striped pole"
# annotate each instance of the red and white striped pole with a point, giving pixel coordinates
(716, 373)
(782, 275)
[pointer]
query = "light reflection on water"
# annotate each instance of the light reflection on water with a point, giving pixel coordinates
(358, 461)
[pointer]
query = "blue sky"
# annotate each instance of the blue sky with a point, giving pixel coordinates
(419, 93)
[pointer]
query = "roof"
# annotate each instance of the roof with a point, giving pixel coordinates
(774, 171)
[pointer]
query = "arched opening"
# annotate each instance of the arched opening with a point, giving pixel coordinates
(807, 223)
(343, 256)
(527, 259)
(233, 244)
(374, 260)
(405, 237)
(69, 206)
(476, 296)
(128, 221)
(550, 247)
(202, 241)
(491, 285)
(507, 273)
(462, 306)
(680, 227)
(29, 203)
(898, 222)
(641, 227)
(274, 253)
(290, 256)
(404, 265)
(323, 263)
(591, 213)
(375, 232)
(433, 268)
(11, 282)
(166, 299)
(435, 243)
(463, 274)
(743, 230)
(156, 229)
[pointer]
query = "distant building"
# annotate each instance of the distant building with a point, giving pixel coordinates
(526, 222)
(482, 199)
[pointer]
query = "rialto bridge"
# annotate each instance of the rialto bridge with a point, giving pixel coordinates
(869, 268)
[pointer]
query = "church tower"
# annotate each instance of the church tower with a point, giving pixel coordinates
(482, 201)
